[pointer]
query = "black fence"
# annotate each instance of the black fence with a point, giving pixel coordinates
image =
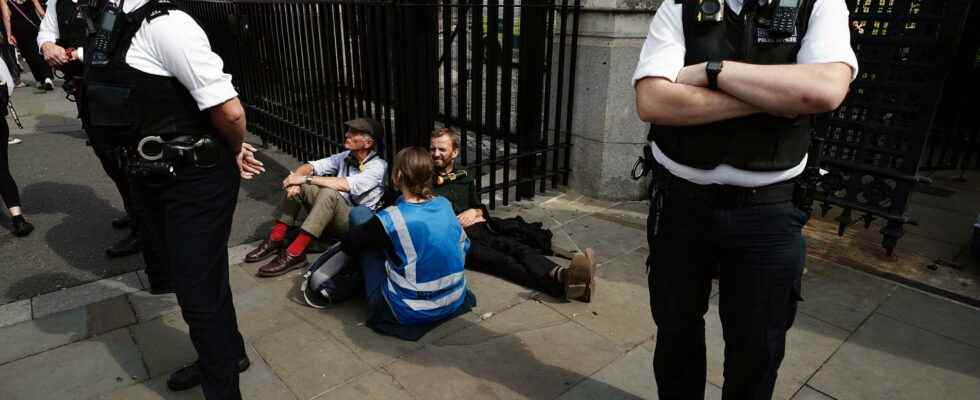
(872, 146)
(502, 72)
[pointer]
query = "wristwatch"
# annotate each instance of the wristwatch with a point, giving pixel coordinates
(309, 178)
(713, 68)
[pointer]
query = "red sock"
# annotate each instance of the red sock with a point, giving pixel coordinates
(299, 245)
(278, 232)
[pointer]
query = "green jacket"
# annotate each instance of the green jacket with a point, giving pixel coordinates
(461, 192)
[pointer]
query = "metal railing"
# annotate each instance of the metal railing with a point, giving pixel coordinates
(502, 72)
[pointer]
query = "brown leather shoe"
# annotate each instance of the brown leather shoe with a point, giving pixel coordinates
(579, 279)
(267, 249)
(282, 264)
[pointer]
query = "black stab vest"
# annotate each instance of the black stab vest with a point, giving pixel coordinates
(758, 142)
(123, 104)
(71, 29)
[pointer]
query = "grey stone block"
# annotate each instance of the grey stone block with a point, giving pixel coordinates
(310, 362)
(242, 280)
(609, 239)
(841, 296)
(78, 296)
(165, 344)
(345, 322)
(15, 313)
(263, 309)
(934, 314)
(79, 370)
(620, 307)
(888, 359)
(148, 306)
(236, 254)
(153, 389)
(808, 346)
(529, 315)
(35, 336)
(259, 382)
(373, 385)
(538, 364)
(630, 377)
(808, 393)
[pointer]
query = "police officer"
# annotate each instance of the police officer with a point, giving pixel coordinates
(157, 90)
(728, 89)
(61, 39)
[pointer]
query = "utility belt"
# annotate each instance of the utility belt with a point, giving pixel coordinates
(156, 157)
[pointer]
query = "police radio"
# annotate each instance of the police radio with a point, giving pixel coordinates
(105, 35)
(782, 23)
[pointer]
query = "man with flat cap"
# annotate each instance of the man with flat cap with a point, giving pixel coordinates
(328, 188)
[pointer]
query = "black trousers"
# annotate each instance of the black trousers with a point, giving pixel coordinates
(8, 188)
(189, 221)
(507, 258)
(760, 252)
(26, 35)
(114, 169)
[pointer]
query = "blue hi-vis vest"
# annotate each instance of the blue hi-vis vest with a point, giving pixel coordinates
(425, 273)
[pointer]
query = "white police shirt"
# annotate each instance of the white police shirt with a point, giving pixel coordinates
(828, 39)
(170, 45)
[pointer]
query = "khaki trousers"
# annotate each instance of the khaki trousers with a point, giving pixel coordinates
(328, 211)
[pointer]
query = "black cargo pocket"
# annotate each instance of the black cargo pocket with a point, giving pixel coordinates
(108, 105)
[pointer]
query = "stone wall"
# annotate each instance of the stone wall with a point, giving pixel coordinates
(607, 135)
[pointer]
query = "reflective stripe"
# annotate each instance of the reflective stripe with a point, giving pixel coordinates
(422, 305)
(462, 242)
(406, 241)
(430, 286)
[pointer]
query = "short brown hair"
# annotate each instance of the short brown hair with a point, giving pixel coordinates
(412, 170)
(453, 134)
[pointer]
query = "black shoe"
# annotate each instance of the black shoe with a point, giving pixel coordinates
(129, 245)
(121, 222)
(21, 226)
(190, 376)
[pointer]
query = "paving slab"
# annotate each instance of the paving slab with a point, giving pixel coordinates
(153, 389)
(309, 361)
(259, 382)
(35, 336)
(93, 292)
(537, 364)
(934, 314)
(808, 393)
(262, 309)
(15, 313)
(78, 370)
(841, 296)
(889, 359)
(620, 307)
(373, 385)
(240, 279)
(808, 346)
(629, 377)
(345, 322)
(609, 239)
(572, 206)
(526, 316)
(164, 343)
(149, 306)
(236, 254)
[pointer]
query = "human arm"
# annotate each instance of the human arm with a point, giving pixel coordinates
(661, 100)
(38, 9)
(47, 37)
(5, 10)
(228, 119)
(367, 236)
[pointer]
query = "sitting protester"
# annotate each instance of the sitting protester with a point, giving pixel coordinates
(410, 254)
(495, 252)
(328, 188)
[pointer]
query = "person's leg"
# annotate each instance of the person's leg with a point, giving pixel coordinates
(152, 222)
(288, 212)
(509, 259)
(760, 286)
(372, 264)
(329, 214)
(8, 187)
(682, 255)
(27, 43)
(112, 167)
(199, 208)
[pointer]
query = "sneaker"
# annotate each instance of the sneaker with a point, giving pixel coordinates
(20, 84)
(48, 85)
(13, 140)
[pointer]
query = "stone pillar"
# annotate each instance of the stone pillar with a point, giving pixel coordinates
(607, 135)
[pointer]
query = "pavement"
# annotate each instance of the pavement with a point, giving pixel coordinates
(102, 336)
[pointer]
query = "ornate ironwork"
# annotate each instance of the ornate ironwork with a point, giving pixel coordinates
(870, 148)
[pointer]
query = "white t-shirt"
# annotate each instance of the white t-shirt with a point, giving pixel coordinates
(169, 45)
(827, 39)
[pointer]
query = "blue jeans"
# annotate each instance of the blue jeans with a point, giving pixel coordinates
(372, 263)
